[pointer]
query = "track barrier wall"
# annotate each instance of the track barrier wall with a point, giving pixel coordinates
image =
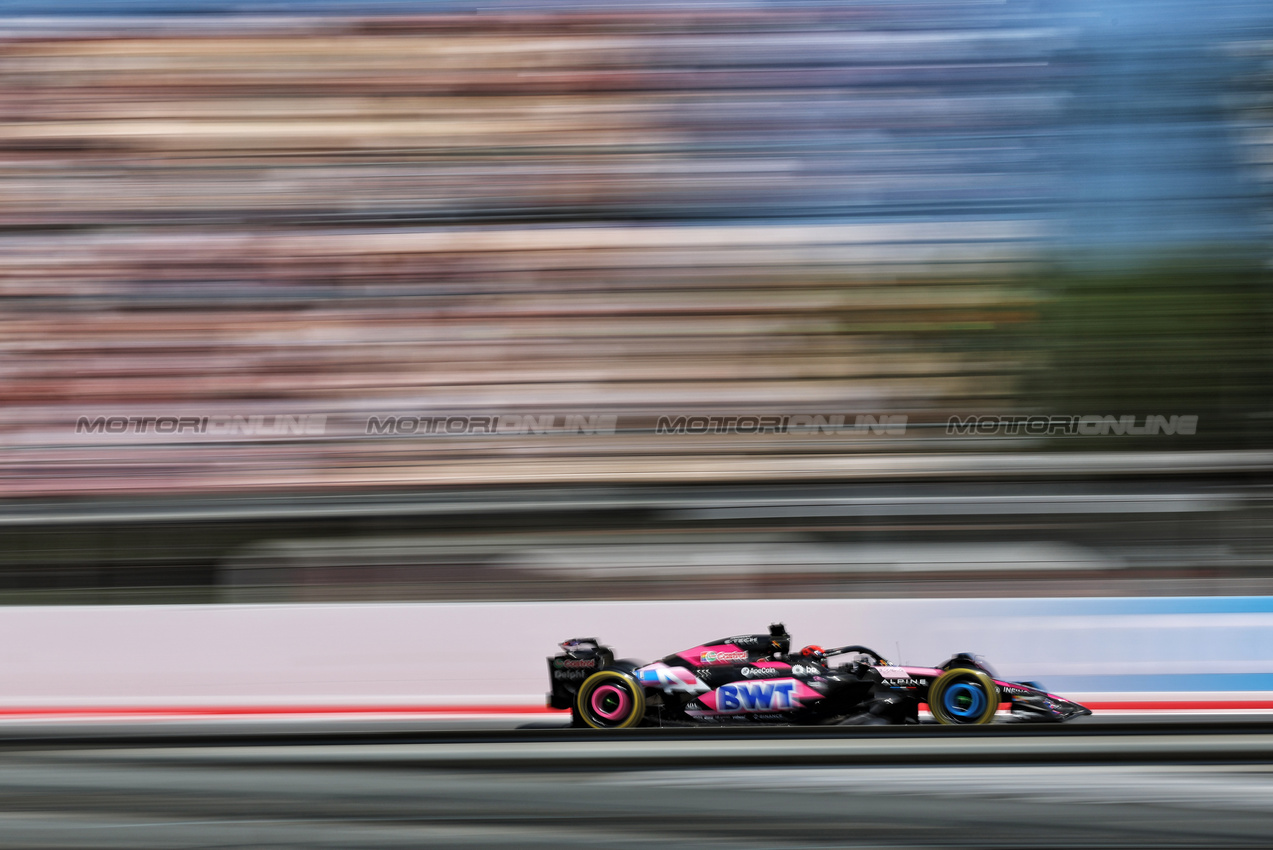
(1186, 653)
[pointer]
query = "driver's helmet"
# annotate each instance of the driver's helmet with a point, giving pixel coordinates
(813, 654)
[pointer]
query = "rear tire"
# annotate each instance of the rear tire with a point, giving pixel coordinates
(963, 697)
(610, 699)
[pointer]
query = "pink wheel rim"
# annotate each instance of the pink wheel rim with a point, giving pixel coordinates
(598, 702)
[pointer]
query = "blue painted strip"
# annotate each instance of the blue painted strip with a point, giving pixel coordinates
(1184, 682)
(1107, 606)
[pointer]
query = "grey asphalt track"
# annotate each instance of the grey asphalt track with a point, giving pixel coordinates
(67, 803)
(302, 793)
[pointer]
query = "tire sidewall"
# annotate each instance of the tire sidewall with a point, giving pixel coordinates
(937, 694)
(619, 679)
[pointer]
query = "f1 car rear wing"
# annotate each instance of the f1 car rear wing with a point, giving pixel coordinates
(580, 643)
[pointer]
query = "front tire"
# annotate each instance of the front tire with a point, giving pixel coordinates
(963, 697)
(610, 699)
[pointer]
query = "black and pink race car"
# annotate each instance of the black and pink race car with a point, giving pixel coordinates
(756, 678)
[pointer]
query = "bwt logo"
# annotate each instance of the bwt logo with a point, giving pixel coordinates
(756, 696)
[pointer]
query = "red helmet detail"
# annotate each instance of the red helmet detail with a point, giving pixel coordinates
(812, 651)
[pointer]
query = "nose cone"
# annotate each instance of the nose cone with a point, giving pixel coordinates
(1066, 710)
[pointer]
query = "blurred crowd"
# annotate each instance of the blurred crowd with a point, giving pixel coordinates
(761, 209)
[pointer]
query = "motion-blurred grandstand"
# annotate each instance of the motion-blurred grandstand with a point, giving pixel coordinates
(916, 211)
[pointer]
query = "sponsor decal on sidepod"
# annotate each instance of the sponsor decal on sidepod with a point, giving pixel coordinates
(755, 696)
(759, 672)
(671, 679)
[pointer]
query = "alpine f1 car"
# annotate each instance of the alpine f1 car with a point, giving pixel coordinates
(755, 678)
